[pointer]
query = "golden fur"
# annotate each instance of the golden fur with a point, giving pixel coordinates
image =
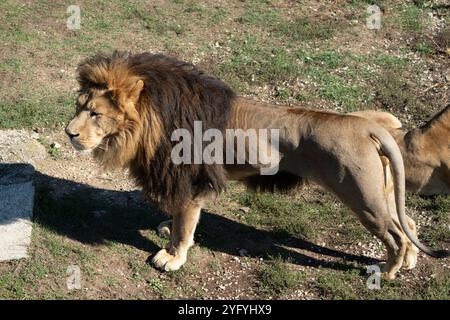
(130, 104)
(425, 150)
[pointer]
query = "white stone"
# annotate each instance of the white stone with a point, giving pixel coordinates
(16, 211)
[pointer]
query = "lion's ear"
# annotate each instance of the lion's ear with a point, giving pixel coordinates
(135, 92)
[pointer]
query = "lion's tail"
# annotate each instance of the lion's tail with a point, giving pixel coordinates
(389, 147)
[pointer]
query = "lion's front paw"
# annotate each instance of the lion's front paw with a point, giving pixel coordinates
(386, 271)
(165, 261)
(164, 229)
(410, 259)
(389, 275)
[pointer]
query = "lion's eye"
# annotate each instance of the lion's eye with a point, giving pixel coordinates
(94, 114)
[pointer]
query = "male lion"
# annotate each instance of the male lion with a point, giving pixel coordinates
(425, 150)
(129, 106)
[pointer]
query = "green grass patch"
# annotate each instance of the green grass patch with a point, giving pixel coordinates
(303, 219)
(347, 95)
(339, 285)
(52, 150)
(397, 92)
(13, 33)
(275, 278)
(53, 111)
(337, 88)
(438, 209)
(11, 64)
(352, 285)
(252, 61)
(438, 287)
(389, 61)
(305, 29)
(266, 17)
(424, 48)
(410, 18)
(286, 216)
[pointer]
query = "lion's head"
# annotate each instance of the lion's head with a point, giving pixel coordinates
(106, 119)
(428, 155)
(100, 115)
(127, 109)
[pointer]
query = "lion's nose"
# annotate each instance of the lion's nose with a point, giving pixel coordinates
(71, 134)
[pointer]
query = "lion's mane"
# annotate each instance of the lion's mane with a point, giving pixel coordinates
(175, 94)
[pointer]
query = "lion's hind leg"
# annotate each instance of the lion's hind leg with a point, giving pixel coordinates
(182, 238)
(367, 195)
(396, 244)
(410, 257)
(392, 236)
(410, 260)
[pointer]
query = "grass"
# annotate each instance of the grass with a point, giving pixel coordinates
(272, 50)
(35, 111)
(11, 64)
(304, 29)
(338, 287)
(51, 148)
(251, 61)
(263, 17)
(410, 18)
(299, 217)
(437, 288)
(276, 278)
(424, 48)
(351, 286)
(259, 44)
(335, 89)
(438, 209)
(272, 210)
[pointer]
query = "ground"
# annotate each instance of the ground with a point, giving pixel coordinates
(303, 245)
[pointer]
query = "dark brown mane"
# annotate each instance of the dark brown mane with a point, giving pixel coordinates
(281, 182)
(442, 117)
(175, 95)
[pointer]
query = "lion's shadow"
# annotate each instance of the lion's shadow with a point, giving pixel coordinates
(94, 216)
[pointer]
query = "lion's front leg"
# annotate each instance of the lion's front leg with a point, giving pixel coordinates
(182, 238)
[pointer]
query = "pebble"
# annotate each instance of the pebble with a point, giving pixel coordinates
(244, 209)
(243, 252)
(99, 213)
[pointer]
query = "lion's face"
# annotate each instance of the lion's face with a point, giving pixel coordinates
(98, 117)
(427, 159)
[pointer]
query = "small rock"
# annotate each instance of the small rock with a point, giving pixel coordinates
(245, 209)
(55, 145)
(99, 213)
(243, 252)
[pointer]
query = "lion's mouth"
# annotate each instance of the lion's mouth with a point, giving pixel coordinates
(82, 147)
